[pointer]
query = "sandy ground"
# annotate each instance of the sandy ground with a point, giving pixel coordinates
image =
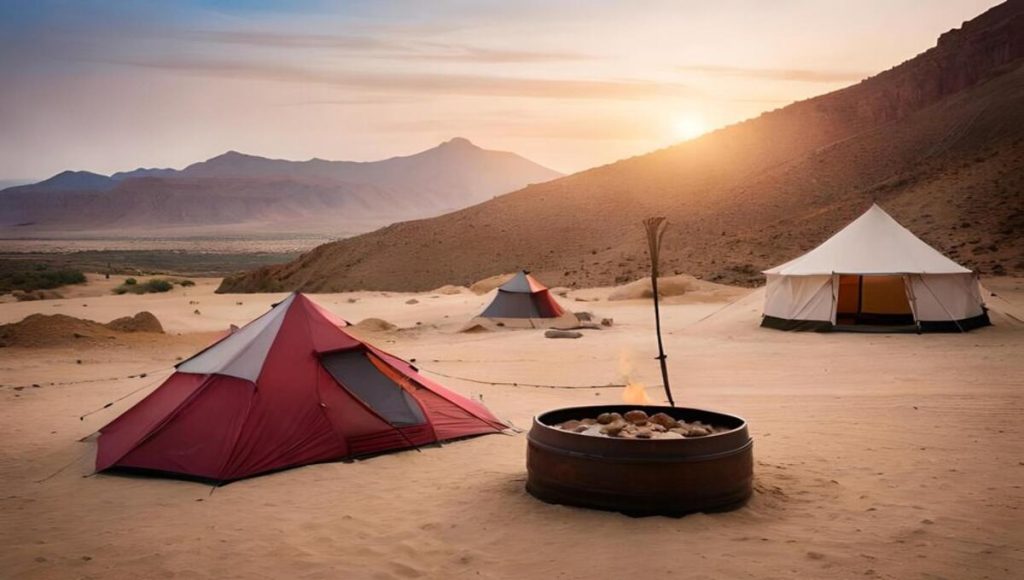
(889, 456)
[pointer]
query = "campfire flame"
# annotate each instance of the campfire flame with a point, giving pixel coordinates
(634, 393)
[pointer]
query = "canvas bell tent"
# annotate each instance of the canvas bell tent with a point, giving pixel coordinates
(873, 275)
(523, 302)
(288, 389)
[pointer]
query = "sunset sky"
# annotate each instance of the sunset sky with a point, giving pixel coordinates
(109, 86)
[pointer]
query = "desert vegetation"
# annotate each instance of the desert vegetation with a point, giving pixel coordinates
(34, 276)
(133, 286)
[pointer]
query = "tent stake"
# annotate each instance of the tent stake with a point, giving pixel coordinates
(655, 227)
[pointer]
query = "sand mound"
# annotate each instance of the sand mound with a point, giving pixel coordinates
(374, 325)
(449, 289)
(667, 286)
(42, 330)
(487, 284)
(141, 322)
(678, 289)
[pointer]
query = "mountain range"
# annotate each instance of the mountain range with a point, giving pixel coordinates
(246, 192)
(938, 141)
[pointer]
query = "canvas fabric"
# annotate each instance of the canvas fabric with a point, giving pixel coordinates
(317, 394)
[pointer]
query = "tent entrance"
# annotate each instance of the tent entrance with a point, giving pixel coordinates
(873, 301)
(358, 375)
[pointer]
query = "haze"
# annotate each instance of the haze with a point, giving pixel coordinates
(108, 86)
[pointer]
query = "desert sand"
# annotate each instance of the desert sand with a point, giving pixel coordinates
(888, 456)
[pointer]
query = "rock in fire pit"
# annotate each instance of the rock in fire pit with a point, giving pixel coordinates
(636, 424)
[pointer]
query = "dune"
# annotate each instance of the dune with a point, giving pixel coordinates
(680, 287)
(141, 322)
(43, 330)
(449, 289)
(490, 283)
(374, 325)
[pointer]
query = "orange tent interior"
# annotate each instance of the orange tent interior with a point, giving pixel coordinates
(874, 300)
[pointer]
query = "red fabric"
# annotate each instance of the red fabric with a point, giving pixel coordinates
(124, 433)
(286, 425)
(535, 285)
(546, 305)
(199, 439)
(225, 428)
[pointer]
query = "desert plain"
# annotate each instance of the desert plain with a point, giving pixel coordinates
(876, 455)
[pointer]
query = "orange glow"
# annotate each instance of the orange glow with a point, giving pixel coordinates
(634, 394)
(689, 126)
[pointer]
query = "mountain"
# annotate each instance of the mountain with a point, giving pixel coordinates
(74, 181)
(239, 190)
(938, 141)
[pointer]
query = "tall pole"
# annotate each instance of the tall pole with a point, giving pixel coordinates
(655, 227)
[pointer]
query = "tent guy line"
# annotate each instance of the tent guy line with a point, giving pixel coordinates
(527, 385)
(141, 375)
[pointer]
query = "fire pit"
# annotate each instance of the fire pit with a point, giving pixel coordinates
(640, 476)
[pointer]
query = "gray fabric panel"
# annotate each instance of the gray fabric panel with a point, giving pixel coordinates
(242, 354)
(357, 374)
(511, 305)
(518, 283)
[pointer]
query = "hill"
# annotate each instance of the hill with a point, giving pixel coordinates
(249, 192)
(938, 141)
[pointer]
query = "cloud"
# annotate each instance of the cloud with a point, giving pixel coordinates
(375, 46)
(779, 74)
(420, 83)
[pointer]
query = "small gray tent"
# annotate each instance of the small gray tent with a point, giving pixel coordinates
(523, 302)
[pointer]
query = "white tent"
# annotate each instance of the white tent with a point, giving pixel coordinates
(873, 275)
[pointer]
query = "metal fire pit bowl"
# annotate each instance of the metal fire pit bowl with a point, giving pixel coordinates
(640, 477)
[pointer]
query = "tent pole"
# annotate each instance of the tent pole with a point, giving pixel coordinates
(655, 227)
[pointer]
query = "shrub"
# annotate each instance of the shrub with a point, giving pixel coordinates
(150, 286)
(158, 285)
(130, 282)
(15, 275)
(187, 283)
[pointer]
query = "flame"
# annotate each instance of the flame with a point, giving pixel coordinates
(634, 394)
(625, 365)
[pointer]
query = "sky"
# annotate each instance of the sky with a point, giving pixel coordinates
(113, 85)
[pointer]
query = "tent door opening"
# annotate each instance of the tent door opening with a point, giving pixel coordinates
(873, 301)
(358, 375)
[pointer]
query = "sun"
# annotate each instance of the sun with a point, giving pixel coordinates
(688, 126)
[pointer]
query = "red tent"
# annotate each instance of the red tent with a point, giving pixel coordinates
(288, 389)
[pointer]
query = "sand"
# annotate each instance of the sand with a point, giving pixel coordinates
(879, 456)
(672, 289)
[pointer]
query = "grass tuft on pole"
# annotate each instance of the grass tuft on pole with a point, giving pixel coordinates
(655, 227)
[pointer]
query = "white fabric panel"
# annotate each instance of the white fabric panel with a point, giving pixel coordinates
(946, 297)
(243, 353)
(799, 297)
(874, 243)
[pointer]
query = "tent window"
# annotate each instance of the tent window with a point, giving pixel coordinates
(354, 371)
